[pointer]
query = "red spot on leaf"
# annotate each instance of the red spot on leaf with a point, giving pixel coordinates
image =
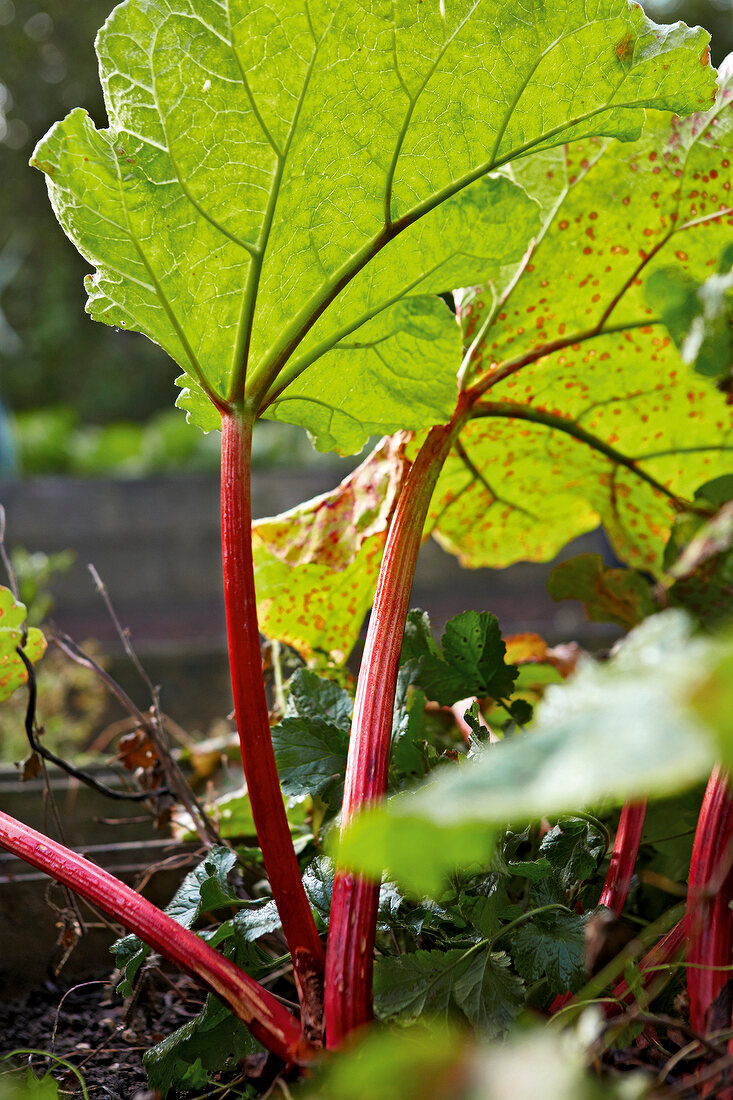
(624, 48)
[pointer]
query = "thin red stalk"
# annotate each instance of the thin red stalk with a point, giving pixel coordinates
(266, 1018)
(662, 954)
(709, 921)
(623, 857)
(349, 957)
(250, 705)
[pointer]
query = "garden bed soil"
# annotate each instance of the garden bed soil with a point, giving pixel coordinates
(90, 1026)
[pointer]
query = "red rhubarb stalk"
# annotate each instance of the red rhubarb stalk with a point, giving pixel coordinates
(267, 1019)
(623, 857)
(250, 706)
(709, 921)
(661, 955)
(352, 928)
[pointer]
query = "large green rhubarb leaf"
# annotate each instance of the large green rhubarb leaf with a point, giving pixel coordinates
(591, 415)
(287, 187)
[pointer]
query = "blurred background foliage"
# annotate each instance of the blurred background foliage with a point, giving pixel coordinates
(84, 398)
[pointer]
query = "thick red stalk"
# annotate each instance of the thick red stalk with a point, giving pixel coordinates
(709, 921)
(623, 857)
(349, 957)
(250, 705)
(266, 1018)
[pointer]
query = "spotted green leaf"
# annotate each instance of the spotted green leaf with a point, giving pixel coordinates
(316, 566)
(13, 672)
(591, 415)
(282, 191)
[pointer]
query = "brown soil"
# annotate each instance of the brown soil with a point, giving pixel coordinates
(90, 1026)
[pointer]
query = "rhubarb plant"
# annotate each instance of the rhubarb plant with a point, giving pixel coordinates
(285, 201)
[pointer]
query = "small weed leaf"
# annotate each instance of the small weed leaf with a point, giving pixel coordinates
(471, 661)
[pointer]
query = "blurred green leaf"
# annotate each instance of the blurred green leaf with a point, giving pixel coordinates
(419, 853)
(621, 596)
(615, 730)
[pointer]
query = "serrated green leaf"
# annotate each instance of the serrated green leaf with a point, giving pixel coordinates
(13, 673)
(621, 596)
(477, 983)
(130, 953)
(277, 182)
(203, 890)
(311, 757)
(471, 661)
(485, 911)
(551, 946)
(573, 849)
(312, 696)
(608, 425)
(535, 870)
(211, 1043)
(256, 919)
